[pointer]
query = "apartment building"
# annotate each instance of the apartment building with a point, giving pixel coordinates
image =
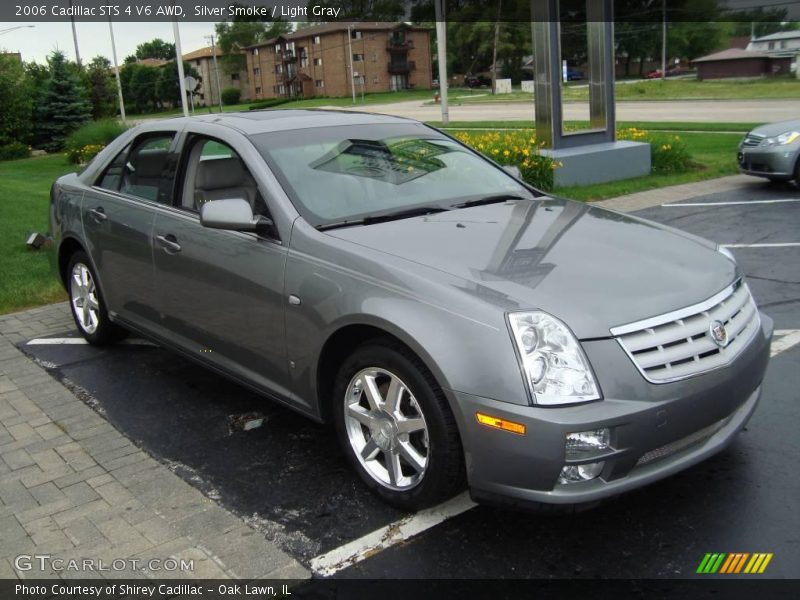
(208, 94)
(316, 61)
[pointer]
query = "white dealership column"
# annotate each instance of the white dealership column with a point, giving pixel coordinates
(179, 58)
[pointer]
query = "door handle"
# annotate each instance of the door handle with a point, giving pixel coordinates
(169, 243)
(98, 214)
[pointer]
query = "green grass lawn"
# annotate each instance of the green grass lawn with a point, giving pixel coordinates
(671, 89)
(713, 153)
(24, 199)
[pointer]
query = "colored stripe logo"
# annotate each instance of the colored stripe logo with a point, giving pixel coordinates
(733, 563)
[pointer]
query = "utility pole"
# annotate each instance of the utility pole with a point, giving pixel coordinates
(216, 70)
(179, 58)
(494, 48)
(663, 39)
(441, 53)
(350, 52)
(116, 71)
(75, 38)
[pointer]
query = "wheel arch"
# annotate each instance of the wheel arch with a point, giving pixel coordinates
(344, 339)
(68, 247)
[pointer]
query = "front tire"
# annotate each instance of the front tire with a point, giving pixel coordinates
(87, 304)
(396, 427)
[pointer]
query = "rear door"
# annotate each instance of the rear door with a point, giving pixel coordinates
(118, 213)
(221, 292)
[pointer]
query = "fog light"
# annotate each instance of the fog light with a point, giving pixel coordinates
(576, 473)
(583, 444)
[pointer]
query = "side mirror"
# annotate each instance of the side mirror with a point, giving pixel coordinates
(513, 170)
(231, 213)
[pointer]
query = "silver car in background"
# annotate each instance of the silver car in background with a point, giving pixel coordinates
(455, 325)
(772, 151)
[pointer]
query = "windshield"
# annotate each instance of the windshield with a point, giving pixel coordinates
(349, 173)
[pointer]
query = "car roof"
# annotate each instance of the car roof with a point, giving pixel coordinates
(265, 121)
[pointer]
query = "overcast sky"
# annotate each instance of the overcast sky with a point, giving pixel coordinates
(93, 38)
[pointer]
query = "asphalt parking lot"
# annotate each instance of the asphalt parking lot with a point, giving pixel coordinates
(288, 479)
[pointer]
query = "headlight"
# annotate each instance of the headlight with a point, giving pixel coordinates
(783, 139)
(552, 361)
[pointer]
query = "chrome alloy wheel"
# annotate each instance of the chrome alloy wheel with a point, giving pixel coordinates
(386, 428)
(83, 295)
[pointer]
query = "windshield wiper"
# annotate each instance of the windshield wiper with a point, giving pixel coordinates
(487, 200)
(417, 211)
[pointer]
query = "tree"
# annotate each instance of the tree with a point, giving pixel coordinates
(167, 86)
(143, 82)
(16, 117)
(761, 21)
(233, 36)
(101, 87)
(156, 48)
(63, 108)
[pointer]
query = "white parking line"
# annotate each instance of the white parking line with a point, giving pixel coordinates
(775, 245)
(394, 533)
(784, 339)
(732, 203)
(81, 341)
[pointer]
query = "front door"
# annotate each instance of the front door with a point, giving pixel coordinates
(118, 216)
(221, 292)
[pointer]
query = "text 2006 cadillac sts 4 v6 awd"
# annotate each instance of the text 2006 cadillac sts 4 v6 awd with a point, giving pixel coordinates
(453, 323)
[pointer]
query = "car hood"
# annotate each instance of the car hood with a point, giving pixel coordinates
(773, 129)
(591, 267)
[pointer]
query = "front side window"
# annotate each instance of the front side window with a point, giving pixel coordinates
(214, 171)
(145, 170)
(335, 174)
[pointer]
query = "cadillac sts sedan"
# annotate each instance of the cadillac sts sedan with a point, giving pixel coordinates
(456, 326)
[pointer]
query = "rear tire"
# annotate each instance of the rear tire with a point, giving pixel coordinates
(87, 304)
(396, 427)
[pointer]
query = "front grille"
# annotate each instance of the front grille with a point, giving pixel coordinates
(679, 344)
(752, 139)
(681, 444)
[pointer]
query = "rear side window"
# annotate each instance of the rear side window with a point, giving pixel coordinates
(145, 169)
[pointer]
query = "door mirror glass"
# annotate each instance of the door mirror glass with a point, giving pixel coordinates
(231, 213)
(513, 170)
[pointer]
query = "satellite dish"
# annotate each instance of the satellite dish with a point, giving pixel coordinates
(190, 83)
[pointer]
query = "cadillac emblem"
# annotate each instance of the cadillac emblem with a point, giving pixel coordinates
(718, 333)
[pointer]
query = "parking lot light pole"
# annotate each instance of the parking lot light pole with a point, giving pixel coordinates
(116, 72)
(441, 53)
(216, 70)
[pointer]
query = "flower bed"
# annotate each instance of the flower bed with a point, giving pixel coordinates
(669, 154)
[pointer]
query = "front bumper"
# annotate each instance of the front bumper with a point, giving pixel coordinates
(656, 429)
(776, 162)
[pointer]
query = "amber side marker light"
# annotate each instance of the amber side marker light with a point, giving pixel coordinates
(499, 423)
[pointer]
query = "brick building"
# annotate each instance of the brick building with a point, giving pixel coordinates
(208, 94)
(315, 61)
